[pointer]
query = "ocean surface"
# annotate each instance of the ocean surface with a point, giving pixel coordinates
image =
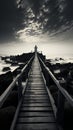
(61, 60)
(3, 64)
(53, 60)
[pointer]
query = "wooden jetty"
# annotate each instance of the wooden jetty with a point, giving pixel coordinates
(36, 108)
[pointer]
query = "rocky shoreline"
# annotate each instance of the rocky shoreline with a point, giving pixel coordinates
(63, 72)
(9, 107)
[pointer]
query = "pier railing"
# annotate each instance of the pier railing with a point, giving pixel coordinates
(62, 94)
(48, 78)
(17, 80)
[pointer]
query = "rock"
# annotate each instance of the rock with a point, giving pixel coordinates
(55, 96)
(12, 99)
(21, 58)
(14, 63)
(5, 80)
(64, 73)
(6, 117)
(61, 59)
(53, 88)
(68, 116)
(16, 72)
(6, 69)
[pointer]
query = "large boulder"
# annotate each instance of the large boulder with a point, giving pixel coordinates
(12, 99)
(53, 88)
(5, 80)
(55, 96)
(6, 69)
(6, 117)
(68, 116)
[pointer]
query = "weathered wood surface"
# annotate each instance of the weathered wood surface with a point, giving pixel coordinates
(9, 89)
(64, 92)
(36, 112)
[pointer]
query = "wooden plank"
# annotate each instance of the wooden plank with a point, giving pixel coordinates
(36, 97)
(35, 74)
(36, 109)
(36, 92)
(40, 95)
(36, 101)
(36, 120)
(35, 79)
(36, 104)
(32, 94)
(38, 126)
(38, 76)
(36, 87)
(36, 84)
(36, 114)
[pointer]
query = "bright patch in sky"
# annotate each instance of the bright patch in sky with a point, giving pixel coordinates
(32, 35)
(50, 47)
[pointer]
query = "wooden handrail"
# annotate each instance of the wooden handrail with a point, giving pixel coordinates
(6, 93)
(61, 89)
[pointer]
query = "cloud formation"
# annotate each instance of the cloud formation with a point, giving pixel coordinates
(52, 16)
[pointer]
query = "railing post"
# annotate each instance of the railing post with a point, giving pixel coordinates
(60, 110)
(19, 88)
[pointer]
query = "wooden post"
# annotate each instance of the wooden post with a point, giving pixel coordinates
(60, 110)
(19, 89)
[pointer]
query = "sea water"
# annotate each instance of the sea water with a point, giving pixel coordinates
(4, 64)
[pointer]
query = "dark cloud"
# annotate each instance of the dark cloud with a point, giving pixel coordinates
(36, 5)
(12, 16)
(53, 16)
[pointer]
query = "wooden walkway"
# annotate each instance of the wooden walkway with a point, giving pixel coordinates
(36, 112)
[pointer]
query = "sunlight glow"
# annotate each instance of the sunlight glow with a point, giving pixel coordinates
(32, 35)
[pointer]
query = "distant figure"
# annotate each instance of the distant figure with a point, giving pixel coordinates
(35, 49)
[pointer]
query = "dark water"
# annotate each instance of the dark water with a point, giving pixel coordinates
(3, 64)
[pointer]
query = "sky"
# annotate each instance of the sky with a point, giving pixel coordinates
(45, 23)
(50, 47)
